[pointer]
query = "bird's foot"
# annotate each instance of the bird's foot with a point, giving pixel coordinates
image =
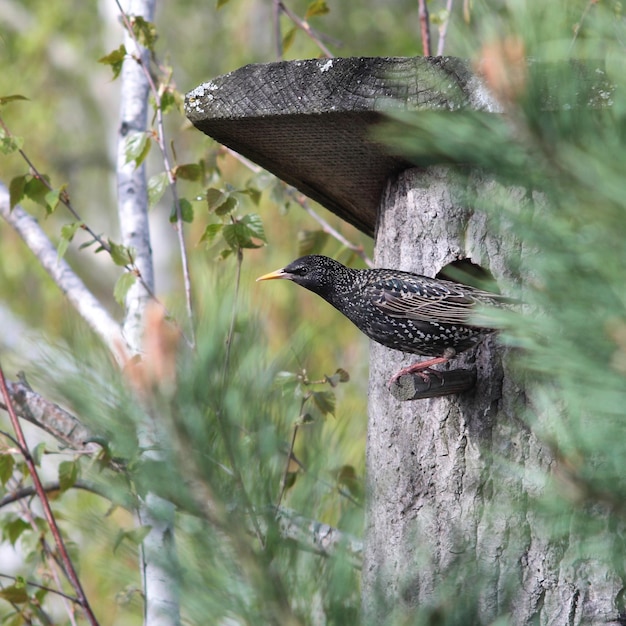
(422, 369)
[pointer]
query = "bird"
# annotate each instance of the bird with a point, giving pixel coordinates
(400, 310)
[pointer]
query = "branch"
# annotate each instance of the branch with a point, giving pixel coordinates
(50, 487)
(424, 26)
(304, 25)
(68, 566)
(158, 554)
(319, 538)
(49, 416)
(142, 59)
(88, 307)
(443, 29)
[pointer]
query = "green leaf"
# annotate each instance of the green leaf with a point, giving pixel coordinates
(122, 286)
(221, 3)
(169, 100)
(52, 200)
(311, 241)
(286, 382)
(7, 463)
(340, 376)
(186, 211)
(289, 37)
(145, 31)
(115, 59)
(120, 254)
(215, 198)
(36, 190)
(228, 206)
(239, 236)
(253, 193)
(13, 529)
(136, 147)
(16, 190)
(324, 401)
(37, 452)
(135, 536)
(16, 594)
(210, 233)
(157, 185)
(255, 225)
(9, 143)
(68, 474)
(67, 234)
(317, 7)
(12, 98)
(189, 171)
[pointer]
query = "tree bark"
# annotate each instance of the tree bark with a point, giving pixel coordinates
(449, 478)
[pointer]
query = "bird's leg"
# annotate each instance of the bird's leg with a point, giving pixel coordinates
(418, 368)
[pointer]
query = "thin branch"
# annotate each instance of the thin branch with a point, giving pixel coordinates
(220, 418)
(443, 29)
(326, 227)
(49, 487)
(31, 583)
(424, 27)
(47, 510)
(278, 38)
(578, 27)
(170, 174)
(302, 201)
(62, 274)
(283, 482)
(318, 537)
(304, 26)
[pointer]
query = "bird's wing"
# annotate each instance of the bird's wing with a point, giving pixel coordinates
(426, 301)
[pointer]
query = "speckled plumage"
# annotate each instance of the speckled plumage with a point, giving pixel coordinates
(400, 310)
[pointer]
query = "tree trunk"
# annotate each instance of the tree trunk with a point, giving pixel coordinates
(449, 478)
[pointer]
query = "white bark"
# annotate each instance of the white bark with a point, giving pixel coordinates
(158, 550)
(89, 308)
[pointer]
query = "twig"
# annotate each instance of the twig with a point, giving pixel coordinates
(326, 227)
(424, 26)
(276, 11)
(443, 29)
(50, 519)
(578, 26)
(301, 200)
(27, 492)
(318, 537)
(31, 583)
(220, 418)
(304, 25)
(283, 482)
(170, 176)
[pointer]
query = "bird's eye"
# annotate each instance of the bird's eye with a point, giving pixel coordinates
(299, 271)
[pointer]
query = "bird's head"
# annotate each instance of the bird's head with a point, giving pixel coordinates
(314, 272)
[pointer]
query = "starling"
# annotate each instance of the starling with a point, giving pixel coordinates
(400, 310)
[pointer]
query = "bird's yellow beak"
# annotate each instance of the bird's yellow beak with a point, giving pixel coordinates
(272, 275)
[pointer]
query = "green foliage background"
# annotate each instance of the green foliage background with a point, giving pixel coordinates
(572, 330)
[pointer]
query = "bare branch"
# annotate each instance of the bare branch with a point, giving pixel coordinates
(49, 416)
(70, 284)
(424, 26)
(443, 29)
(304, 26)
(45, 503)
(319, 538)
